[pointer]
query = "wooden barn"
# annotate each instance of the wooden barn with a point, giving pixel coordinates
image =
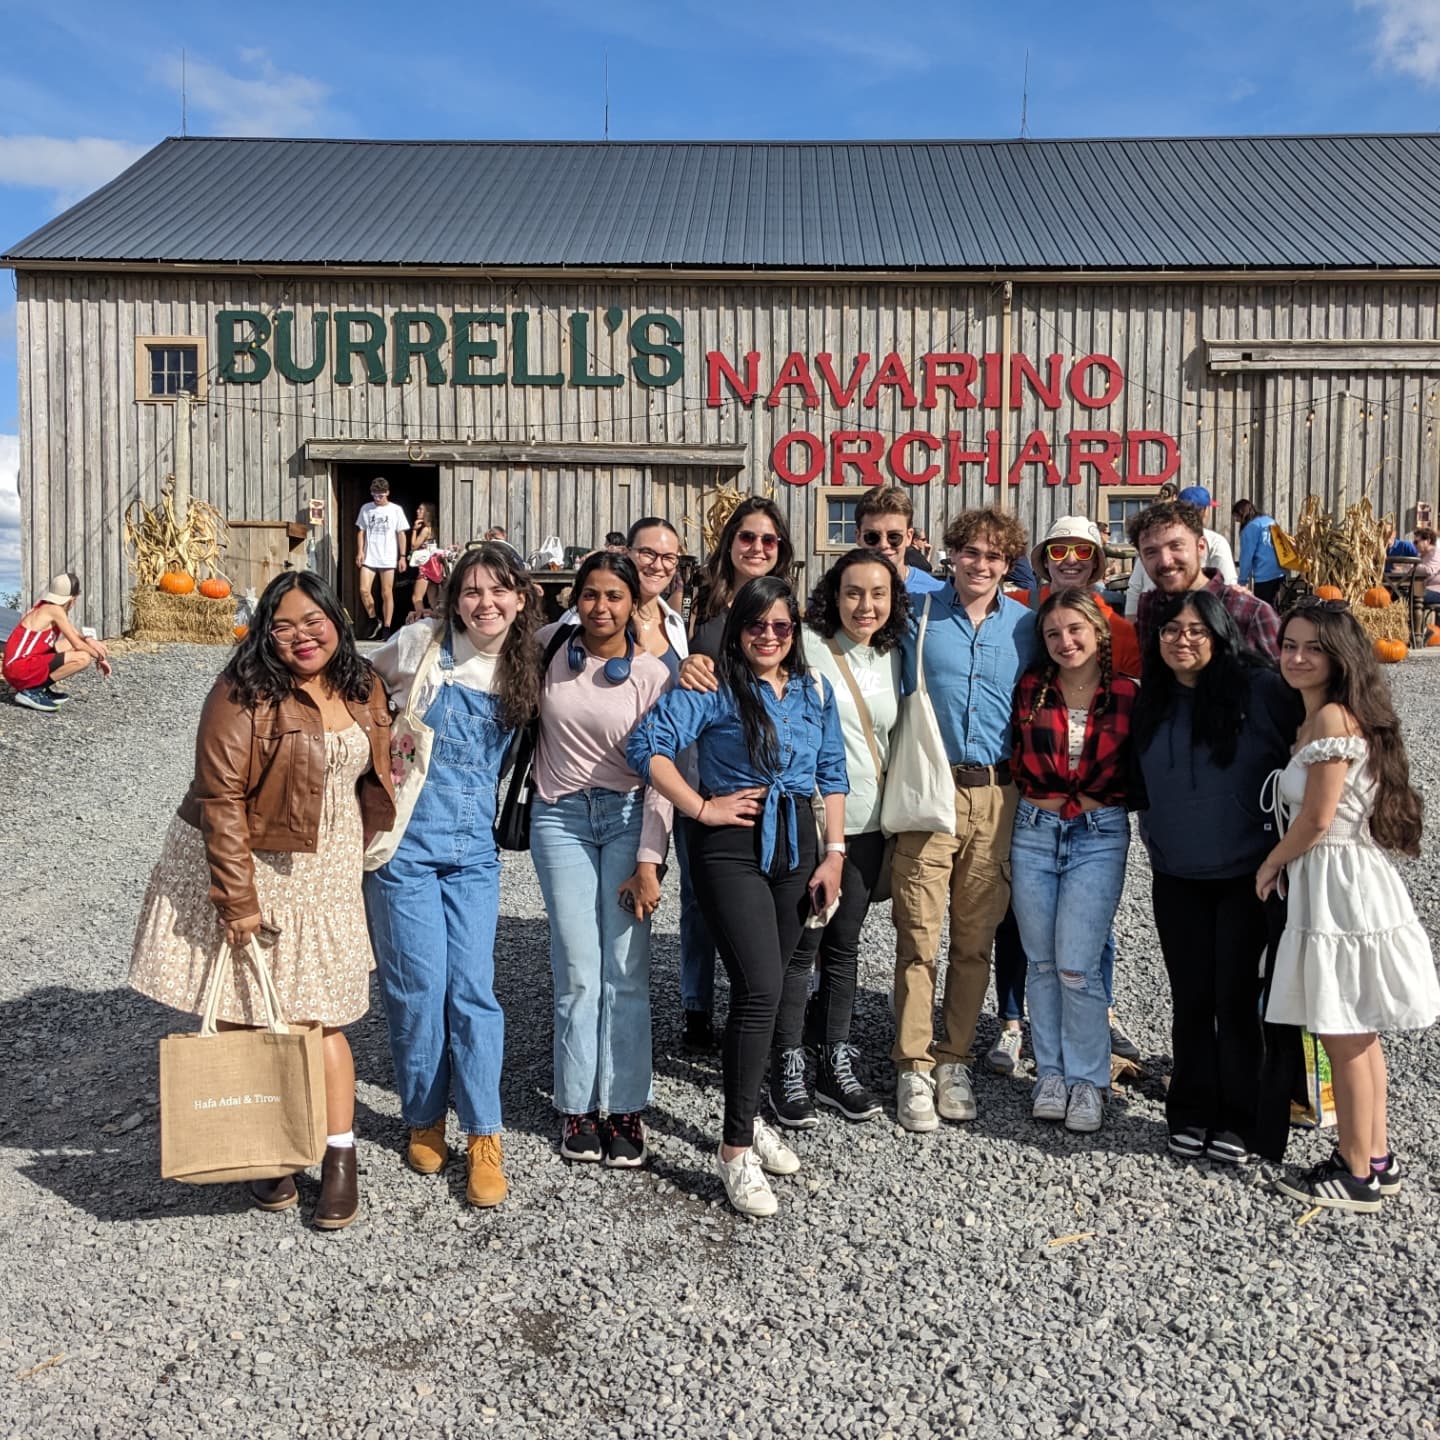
(560, 338)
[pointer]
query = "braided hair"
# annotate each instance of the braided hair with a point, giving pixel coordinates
(1085, 604)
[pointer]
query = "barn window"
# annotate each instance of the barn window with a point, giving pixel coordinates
(1119, 503)
(835, 518)
(169, 365)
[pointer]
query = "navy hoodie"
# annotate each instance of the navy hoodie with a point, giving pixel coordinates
(1205, 822)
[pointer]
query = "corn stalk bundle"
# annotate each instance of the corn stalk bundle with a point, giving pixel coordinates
(1349, 554)
(722, 507)
(163, 541)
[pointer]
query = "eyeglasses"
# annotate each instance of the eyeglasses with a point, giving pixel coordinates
(285, 634)
(754, 537)
(1059, 551)
(1194, 633)
(893, 538)
(650, 558)
(781, 629)
(1314, 602)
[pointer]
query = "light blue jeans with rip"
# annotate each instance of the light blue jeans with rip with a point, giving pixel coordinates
(1067, 876)
(584, 848)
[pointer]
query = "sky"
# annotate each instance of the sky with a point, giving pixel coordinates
(87, 88)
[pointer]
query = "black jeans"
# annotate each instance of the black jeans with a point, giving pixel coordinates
(838, 946)
(1215, 935)
(756, 921)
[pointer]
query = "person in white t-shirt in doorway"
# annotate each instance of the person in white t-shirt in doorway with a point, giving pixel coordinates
(380, 551)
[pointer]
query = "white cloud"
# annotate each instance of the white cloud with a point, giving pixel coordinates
(264, 101)
(1409, 36)
(9, 513)
(69, 169)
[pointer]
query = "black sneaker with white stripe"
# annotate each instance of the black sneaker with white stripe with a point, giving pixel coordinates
(1331, 1185)
(1389, 1178)
(789, 1092)
(836, 1085)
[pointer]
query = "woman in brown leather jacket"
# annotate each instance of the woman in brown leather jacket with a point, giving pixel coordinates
(292, 777)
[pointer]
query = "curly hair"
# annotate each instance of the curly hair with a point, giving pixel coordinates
(258, 673)
(1083, 603)
(753, 603)
(822, 611)
(1166, 512)
(1356, 683)
(517, 676)
(717, 585)
(1004, 530)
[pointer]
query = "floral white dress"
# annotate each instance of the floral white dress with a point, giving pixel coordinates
(1354, 959)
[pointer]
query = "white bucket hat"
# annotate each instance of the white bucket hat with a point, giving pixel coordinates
(1070, 527)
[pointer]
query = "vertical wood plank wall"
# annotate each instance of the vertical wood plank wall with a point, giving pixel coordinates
(88, 448)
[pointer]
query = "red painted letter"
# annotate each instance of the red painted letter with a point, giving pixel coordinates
(718, 368)
(1134, 474)
(899, 466)
(824, 364)
(989, 457)
(1035, 451)
(871, 446)
(892, 372)
(814, 462)
(1047, 392)
(1114, 382)
(959, 385)
(1104, 459)
(795, 371)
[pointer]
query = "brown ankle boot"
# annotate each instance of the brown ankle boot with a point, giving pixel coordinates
(486, 1185)
(427, 1151)
(339, 1189)
(279, 1194)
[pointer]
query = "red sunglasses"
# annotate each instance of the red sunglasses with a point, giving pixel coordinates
(751, 537)
(782, 629)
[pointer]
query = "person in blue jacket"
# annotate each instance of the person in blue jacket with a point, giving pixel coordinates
(768, 739)
(1257, 567)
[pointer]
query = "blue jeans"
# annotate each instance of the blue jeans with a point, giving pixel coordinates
(1067, 876)
(697, 948)
(584, 849)
(1010, 966)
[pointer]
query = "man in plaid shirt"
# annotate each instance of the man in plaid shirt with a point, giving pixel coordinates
(1169, 539)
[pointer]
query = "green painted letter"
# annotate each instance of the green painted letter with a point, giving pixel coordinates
(285, 361)
(406, 346)
(232, 347)
(580, 354)
(371, 347)
(673, 362)
(520, 354)
(463, 349)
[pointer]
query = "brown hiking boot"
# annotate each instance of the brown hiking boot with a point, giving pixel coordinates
(427, 1151)
(486, 1185)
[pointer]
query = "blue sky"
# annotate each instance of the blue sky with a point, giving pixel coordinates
(85, 88)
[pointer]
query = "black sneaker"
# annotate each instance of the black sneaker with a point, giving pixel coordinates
(1122, 1046)
(789, 1094)
(836, 1085)
(580, 1138)
(1389, 1178)
(699, 1032)
(1331, 1185)
(58, 696)
(1225, 1147)
(625, 1147)
(1188, 1144)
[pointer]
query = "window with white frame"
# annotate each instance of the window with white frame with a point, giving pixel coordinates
(1119, 504)
(167, 366)
(835, 518)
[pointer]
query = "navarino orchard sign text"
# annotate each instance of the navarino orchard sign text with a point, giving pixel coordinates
(491, 347)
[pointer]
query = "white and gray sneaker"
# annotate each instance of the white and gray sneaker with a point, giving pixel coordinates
(954, 1092)
(915, 1102)
(1086, 1111)
(1049, 1097)
(771, 1151)
(745, 1184)
(1004, 1056)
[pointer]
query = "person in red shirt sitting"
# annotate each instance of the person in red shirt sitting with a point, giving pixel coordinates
(45, 648)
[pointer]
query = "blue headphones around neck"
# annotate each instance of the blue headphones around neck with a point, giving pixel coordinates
(617, 669)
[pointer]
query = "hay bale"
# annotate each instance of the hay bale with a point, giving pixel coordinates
(181, 619)
(1391, 623)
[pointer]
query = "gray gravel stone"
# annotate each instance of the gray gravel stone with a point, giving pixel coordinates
(910, 1286)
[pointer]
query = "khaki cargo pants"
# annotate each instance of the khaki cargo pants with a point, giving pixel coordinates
(970, 872)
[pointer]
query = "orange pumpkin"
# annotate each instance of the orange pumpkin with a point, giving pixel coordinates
(1432, 636)
(1329, 592)
(241, 631)
(215, 589)
(1377, 597)
(177, 582)
(1388, 652)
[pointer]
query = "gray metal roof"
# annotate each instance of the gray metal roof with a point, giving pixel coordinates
(1311, 201)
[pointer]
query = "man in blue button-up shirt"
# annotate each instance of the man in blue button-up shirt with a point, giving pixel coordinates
(977, 643)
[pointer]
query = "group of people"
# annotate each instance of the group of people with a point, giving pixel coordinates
(770, 752)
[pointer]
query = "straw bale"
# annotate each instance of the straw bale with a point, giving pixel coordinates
(190, 619)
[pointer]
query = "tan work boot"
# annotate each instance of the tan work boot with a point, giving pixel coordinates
(486, 1184)
(427, 1151)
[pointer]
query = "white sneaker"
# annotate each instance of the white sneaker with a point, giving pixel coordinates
(1004, 1056)
(1086, 1112)
(955, 1095)
(772, 1152)
(745, 1184)
(915, 1102)
(1049, 1098)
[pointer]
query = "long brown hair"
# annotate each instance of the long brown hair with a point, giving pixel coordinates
(1356, 683)
(1082, 602)
(517, 674)
(718, 587)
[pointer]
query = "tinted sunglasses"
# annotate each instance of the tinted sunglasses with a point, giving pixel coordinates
(781, 629)
(893, 538)
(753, 537)
(1059, 551)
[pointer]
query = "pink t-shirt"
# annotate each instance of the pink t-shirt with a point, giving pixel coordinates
(584, 723)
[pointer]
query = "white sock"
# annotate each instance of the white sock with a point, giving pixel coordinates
(342, 1142)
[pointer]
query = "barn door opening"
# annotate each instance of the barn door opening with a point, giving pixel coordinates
(410, 486)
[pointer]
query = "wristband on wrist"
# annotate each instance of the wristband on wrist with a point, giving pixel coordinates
(701, 810)
(834, 847)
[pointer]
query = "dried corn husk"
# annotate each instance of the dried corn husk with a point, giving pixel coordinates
(162, 540)
(1349, 553)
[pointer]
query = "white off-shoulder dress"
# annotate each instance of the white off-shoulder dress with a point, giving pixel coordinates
(1354, 958)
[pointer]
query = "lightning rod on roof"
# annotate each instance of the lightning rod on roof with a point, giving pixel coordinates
(1025, 101)
(607, 95)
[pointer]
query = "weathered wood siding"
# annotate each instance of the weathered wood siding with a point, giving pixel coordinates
(88, 448)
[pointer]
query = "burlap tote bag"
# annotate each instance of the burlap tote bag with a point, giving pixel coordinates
(241, 1104)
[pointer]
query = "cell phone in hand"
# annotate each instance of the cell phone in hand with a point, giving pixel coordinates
(627, 901)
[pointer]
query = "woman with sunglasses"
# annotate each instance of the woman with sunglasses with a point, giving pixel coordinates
(768, 738)
(598, 837)
(1212, 721)
(292, 778)
(433, 896)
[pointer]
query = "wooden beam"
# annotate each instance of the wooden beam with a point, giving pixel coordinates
(1231, 356)
(509, 452)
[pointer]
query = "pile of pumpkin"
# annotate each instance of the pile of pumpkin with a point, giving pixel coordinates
(1386, 623)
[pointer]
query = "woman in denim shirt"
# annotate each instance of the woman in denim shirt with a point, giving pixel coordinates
(768, 738)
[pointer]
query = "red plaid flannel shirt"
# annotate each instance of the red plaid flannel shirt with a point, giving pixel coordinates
(1040, 762)
(1257, 622)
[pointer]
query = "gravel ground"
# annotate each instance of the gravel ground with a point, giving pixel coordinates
(995, 1279)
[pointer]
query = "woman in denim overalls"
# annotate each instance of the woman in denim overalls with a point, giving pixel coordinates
(434, 903)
